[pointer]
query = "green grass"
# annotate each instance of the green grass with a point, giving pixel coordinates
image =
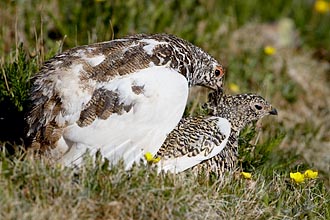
(38, 190)
(235, 33)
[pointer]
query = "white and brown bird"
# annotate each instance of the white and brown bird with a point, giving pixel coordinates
(121, 97)
(210, 143)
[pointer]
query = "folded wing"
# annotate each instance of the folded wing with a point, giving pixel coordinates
(128, 117)
(193, 141)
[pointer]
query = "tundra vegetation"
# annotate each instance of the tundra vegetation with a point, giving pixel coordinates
(279, 49)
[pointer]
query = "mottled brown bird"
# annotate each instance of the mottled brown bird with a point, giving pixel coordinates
(121, 97)
(210, 143)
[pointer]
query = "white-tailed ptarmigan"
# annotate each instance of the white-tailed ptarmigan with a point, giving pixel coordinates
(210, 142)
(122, 96)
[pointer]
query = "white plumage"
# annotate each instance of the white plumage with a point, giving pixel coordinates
(154, 114)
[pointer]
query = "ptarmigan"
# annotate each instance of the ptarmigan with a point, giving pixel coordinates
(210, 142)
(122, 97)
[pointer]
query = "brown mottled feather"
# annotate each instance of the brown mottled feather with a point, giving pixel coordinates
(191, 138)
(102, 104)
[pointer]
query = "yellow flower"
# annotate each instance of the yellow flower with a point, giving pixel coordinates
(310, 174)
(246, 175)
(269, 50)
(234, 87)
(297, 177)
(150, 159)
(321, 6)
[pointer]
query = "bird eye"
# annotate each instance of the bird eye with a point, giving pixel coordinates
(258, 107)
(219, 71)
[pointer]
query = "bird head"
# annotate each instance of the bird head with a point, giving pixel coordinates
(208, 73)
(240, 109)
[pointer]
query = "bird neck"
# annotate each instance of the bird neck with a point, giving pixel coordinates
(189, 60)
(200, 67)
(223, 107)
(237, 123)
(184, 57)
(186, 61)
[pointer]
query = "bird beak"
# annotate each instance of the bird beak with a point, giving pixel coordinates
(219, 85)
(216, 87)
(273, 111)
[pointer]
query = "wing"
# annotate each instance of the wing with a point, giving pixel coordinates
(67, 83)
(129, 116)
(192, 142)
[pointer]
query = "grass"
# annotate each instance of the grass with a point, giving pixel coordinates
(38, 190)
(295, 80)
